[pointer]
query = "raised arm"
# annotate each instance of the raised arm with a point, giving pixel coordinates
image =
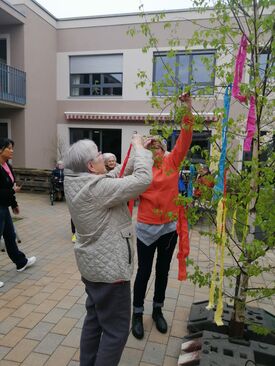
(184, 140)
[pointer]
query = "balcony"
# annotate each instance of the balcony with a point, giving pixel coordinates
(12, 86)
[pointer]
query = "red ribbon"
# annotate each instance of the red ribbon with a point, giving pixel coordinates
(184, 247)
(131, 202)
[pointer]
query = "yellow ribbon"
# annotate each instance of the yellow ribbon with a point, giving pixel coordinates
(221, 219)
(234, 218)
(221, 231)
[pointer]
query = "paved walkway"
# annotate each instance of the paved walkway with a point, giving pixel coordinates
(42, 309)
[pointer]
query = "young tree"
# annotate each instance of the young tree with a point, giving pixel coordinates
(250, 198)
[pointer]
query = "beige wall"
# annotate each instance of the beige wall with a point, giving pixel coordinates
(40, 67)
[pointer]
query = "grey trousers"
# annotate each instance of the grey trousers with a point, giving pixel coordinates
(106, 325)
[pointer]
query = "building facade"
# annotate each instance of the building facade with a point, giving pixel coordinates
(77, 78)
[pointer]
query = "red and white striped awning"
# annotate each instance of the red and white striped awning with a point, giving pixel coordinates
(138, 117)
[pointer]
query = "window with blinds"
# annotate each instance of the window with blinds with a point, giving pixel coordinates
(96, 75)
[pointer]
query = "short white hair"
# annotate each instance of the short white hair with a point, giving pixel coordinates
(108, 156)
(79, 155)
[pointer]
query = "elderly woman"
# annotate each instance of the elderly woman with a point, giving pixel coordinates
(109, 161)
(98, 206)
(8, 188)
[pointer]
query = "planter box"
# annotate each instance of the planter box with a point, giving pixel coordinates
(214, 349)
(202, 319)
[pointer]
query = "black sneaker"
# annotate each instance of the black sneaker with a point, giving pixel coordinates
(161, 323)
(137, 325)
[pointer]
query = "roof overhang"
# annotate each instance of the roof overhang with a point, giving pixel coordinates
(9, 15)
(120, 117)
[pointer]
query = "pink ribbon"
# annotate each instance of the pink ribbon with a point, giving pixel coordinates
(239, 67)
(251, 119)
(250, 125)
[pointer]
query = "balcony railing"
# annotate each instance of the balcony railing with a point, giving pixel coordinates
(12, 84)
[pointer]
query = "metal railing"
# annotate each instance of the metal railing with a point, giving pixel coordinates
(12, 84)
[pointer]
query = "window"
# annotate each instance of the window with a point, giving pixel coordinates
(96, 75)
(200, 139)
(3, 130)
(3, 50)
(107, 140)
(176, 72)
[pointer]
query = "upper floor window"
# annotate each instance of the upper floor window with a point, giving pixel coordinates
(175, 72)
(99, 75)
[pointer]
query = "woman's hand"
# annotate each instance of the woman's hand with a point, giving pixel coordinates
(15, 210)
(186, 98)
(137, 140)
(16, 188)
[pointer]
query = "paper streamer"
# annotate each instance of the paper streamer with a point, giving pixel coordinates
(219, 186)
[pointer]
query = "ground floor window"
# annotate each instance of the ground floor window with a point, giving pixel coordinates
(107, 139)
(200, 139)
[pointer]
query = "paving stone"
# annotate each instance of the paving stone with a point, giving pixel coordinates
(49, 344)
(154, 353)
(17, 302)
(13, 337)
(170, 361)
(21, 350)
(31, 320)
(131, 357)
(67, 302)
(46, 306)
(54, 315)
(61, 356)
(77, 311)
(35, 359)
(73, 338)
(9, 363)
(40, 331)
(24, 310)
(4, 351)
(8, 324)
(174, 347)
(64, 326)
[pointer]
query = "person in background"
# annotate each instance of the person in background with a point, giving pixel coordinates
(104, 246)
(156, 225)
(204, 183)
(58, 179)
(8, 188)
(110, 161)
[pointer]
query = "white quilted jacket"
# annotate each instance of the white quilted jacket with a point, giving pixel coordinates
(98, 207)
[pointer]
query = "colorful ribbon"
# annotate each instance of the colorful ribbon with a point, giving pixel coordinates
(220, 247)
(131, 202)
(219, 186)
(250, 125)
(239, 68)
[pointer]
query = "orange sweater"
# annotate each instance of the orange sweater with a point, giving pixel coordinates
(159, 199)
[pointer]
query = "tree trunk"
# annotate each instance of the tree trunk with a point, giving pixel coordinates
(237, 323)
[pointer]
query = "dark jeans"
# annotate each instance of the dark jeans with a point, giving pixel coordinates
(106, 325)
(165, 246)
(8, 232)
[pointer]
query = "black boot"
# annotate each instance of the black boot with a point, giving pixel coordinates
(159, 320)
(137, 325)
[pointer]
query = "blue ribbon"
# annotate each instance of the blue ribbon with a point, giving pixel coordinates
(219, 186)
(190, 182)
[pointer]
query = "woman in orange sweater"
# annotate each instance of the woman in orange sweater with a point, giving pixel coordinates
(156, 225)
